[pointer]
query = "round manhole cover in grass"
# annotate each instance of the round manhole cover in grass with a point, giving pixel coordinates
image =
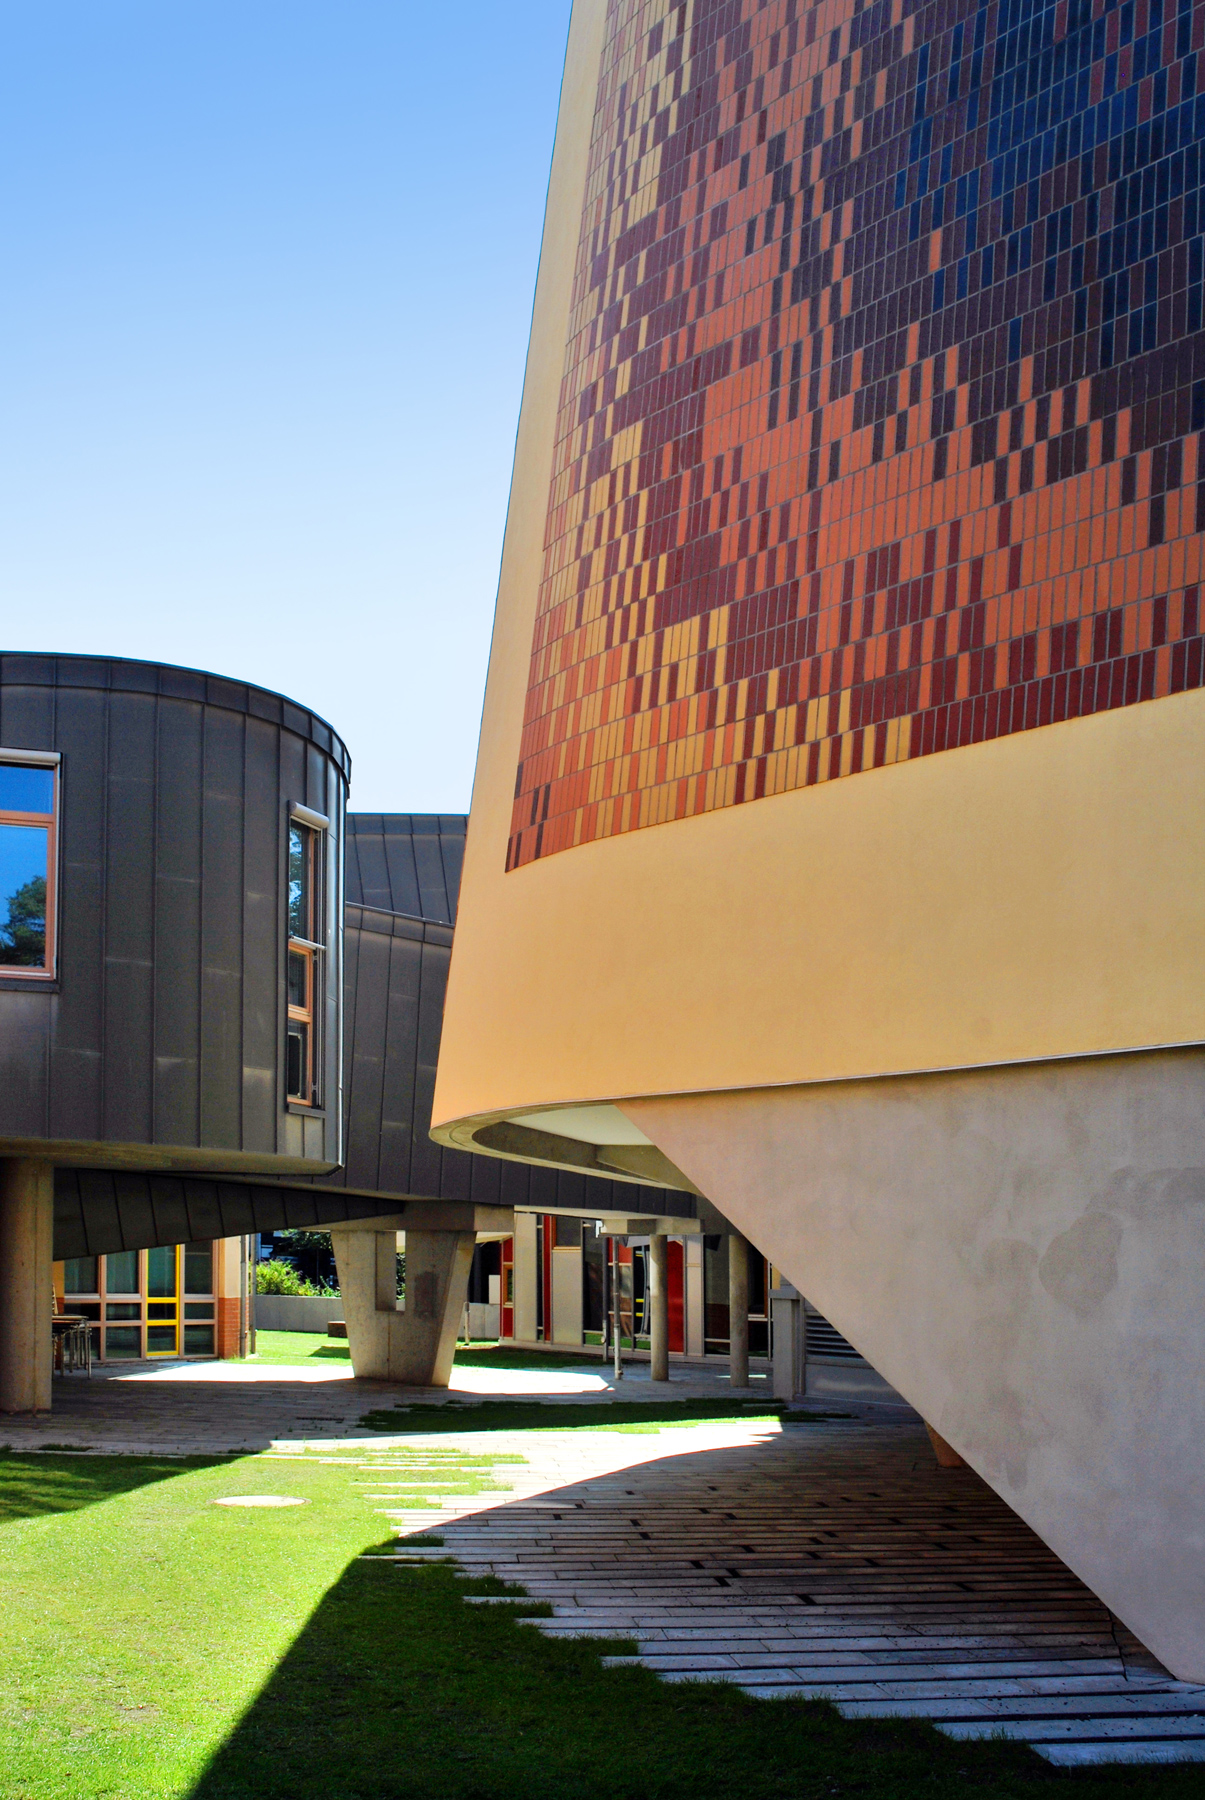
(260, 1500)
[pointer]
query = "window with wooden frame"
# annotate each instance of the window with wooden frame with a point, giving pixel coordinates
(305, 956)
(28, 864)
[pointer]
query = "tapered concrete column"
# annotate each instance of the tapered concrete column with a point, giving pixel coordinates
(26, 1257)
(437, 1284)
(738, 1310)
(659, 1308)
(415, 1346)
(366, 1262)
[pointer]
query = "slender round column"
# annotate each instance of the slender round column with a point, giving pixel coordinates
(659, 1308)
(738, 1310)
(26, 1283)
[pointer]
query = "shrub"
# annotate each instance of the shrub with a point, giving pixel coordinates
(276, 1277)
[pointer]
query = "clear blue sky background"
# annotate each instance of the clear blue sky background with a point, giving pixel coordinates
(268, 268)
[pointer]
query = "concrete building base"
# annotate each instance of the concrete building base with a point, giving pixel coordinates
(26, 1284)
(855, 1382)
(1019, 1251)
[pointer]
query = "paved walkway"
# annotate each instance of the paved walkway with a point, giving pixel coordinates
(838, 1562)
(828, 1559)
(200, 1408)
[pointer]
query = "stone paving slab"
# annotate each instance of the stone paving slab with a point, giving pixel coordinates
(838, 1562)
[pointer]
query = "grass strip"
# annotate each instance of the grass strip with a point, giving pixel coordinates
(140, 1620)
(297, 1347)
(41, 1482)
(495, 1356)
(563, 1415)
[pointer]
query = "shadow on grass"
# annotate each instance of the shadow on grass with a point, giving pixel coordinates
(46, 1483)
(396, 1689)
(567, 1415)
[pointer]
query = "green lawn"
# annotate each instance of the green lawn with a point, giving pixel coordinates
(305, 1346)
(297, 1347)
(584, 1415)
(497, 1356)
(153, 1644)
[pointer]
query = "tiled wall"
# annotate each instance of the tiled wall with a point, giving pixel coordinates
(883, 395)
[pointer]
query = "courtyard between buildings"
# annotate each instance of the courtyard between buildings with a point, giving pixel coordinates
(539, 1582)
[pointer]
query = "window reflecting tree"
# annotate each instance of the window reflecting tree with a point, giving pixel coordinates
(23, 935)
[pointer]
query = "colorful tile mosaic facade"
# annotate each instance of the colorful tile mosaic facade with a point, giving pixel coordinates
(883, 399)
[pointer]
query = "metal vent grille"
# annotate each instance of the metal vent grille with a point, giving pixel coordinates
(825, 1340)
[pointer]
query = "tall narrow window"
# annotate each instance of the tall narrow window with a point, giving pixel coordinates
(27, 868)
(305, 963)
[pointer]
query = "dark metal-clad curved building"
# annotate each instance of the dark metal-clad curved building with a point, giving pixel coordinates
(171, 911)
(153, 1033)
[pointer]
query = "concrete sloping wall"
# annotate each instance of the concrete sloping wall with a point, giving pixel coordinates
(1019, 1252)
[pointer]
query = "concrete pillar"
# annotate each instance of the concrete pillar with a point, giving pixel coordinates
(415, 1346)
(790, 1342)
(659, 1308)
(26, 1262)
(366, 1265)
(738, 1310)
(437, 1284)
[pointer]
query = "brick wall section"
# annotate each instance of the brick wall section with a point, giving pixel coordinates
(227, 1327)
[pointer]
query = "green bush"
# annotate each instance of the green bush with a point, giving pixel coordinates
(276, 1277)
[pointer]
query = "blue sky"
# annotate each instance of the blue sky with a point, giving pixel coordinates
(268, 278)
(22, 858)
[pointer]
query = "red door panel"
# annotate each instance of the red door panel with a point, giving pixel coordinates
(506, 1323)
(676, 1271)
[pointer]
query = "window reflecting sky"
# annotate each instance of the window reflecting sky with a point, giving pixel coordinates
(26, 790)
(22, 859)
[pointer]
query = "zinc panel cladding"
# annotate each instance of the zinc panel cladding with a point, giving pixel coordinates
(406, 862)
(881, 417)
(97, 1212)
(165, 1025)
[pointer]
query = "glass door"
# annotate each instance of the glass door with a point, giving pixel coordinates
(199, 1320)
(163, 1300)
(122, 1289)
